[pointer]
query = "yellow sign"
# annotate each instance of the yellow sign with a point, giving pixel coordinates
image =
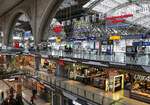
(58, 39)
(115, 38)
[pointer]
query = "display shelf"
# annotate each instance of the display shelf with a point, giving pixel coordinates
(144, 97)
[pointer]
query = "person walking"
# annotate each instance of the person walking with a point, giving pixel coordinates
(2, 95)
(32, 100)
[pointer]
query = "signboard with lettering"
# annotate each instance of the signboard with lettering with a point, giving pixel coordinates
(142, 78)
(115, 37)
(141, 43)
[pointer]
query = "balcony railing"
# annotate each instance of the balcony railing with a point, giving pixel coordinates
(138, 59)
(88, 94)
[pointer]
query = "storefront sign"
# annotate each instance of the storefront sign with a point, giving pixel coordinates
(142, 78)
(61, 62)
(44, 56)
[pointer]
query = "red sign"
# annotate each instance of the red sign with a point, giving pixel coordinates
(16, 44)
(61, 62)
(120, 16)
(57, 29)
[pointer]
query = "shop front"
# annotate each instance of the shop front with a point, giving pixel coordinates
(2, 61)
(25, 63)
(100, 77)
(48, 66)
(141, 88)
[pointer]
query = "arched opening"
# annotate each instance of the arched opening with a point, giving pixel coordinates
(72, 27)
(20, 35)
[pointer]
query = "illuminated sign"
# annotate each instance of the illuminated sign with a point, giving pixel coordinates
(115, 37)
(142, 78)
(58, 39)
(57, 29)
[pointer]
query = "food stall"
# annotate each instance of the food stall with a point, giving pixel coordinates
(108, 79)
(141, 88)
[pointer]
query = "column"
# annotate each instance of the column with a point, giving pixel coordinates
(37, 64)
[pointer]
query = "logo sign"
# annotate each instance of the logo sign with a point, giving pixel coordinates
(142, 78)
(57, 29)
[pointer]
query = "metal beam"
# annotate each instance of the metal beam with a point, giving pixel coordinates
(140, 19)
(93, 4)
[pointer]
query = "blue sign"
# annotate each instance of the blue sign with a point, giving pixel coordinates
(141, 43)
(27, 34)
(116, 26)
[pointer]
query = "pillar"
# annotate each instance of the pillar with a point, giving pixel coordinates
(37, 64)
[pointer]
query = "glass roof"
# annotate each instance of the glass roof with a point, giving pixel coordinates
(68, 3)
(139, 8)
